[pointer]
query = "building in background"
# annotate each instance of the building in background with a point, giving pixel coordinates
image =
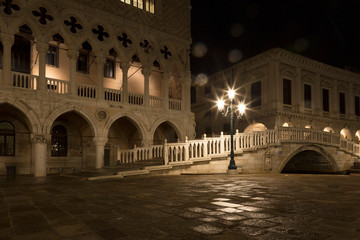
(81, 78)
(282, 89)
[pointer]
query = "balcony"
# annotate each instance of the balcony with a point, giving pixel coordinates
(62, 87)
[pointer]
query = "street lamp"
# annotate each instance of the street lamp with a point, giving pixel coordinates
(231, 109)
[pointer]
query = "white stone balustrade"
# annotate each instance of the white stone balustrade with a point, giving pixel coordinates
(112, 95)
(136, 98)
(57, 86)
(85, 90)
(23, 80)
(156, 102)
(175, 104)
(207, 148)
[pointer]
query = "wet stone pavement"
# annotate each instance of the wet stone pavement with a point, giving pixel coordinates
(181, 207)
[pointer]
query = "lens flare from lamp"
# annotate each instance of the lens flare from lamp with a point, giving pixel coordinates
(231, 94)
(220, 104)
(242, 108)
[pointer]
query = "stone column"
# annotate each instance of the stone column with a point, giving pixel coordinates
(100, 68)
(146, 71)
(316, 94)
(7, 42)
(166, 90)
(125, 69)
(276, 95)
(185, 92)
(39, 154)
(297, 90)
(100, 144)
(334, 100)
(72, 55)
(350, 106)
(42, 49)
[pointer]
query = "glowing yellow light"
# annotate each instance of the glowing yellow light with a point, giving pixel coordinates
(220, 104)
(231, 94)
(242, 108)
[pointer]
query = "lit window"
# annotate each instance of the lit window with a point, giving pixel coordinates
(109, 69)
(148, 5)
(7, 139)
(52, 56)
(58, 141)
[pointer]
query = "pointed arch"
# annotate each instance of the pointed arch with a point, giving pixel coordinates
(89, 117)
(171, 123)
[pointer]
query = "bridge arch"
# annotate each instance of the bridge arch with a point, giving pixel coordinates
(309, 159)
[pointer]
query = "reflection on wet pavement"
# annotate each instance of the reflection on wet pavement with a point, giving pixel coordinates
(182, 207)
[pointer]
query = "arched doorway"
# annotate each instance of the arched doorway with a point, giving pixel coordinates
(165, 131)
(15, 146)
(309, 162)
(72, 146)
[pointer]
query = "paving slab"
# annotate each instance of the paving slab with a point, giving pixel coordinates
(181, 207)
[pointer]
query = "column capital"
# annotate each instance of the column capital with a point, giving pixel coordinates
(146, 71)
(36, 138)
(42, 47)
(7, 39)
(72, 54)
(100, 141)
(125, 66)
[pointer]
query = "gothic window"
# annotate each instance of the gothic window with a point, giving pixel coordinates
(256, 94)
(307, 96)
(147, 5)
(52, 56)
(59, 141)
(325, 95)
(342, 103)
(357, 106)
(20, 55)
(83, 62)
(109, 68)
(7, 139)
(287, 91)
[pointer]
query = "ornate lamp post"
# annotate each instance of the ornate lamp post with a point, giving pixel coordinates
(231, 109)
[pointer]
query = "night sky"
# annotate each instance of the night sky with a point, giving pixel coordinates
(228, 31)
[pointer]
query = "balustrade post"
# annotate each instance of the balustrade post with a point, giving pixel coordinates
(7, 41)
(237, 140)
(166, 153)
(72, 55)
(205, 146)
(186, 154)
(39, 154)
(222, 143)
(42, 49)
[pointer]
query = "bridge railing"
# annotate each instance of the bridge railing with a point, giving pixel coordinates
(212, 147)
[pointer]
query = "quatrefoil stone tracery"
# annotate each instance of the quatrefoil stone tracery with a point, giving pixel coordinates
(73, 24)
(9, 7)
(125, 40)
(43, 16)
(100, 32)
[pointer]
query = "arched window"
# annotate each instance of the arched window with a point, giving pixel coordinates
(7, 139)
(58, 141)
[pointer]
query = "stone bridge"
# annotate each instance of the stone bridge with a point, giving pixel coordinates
(282, 150)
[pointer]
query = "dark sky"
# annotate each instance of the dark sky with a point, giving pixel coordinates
(228, 31)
